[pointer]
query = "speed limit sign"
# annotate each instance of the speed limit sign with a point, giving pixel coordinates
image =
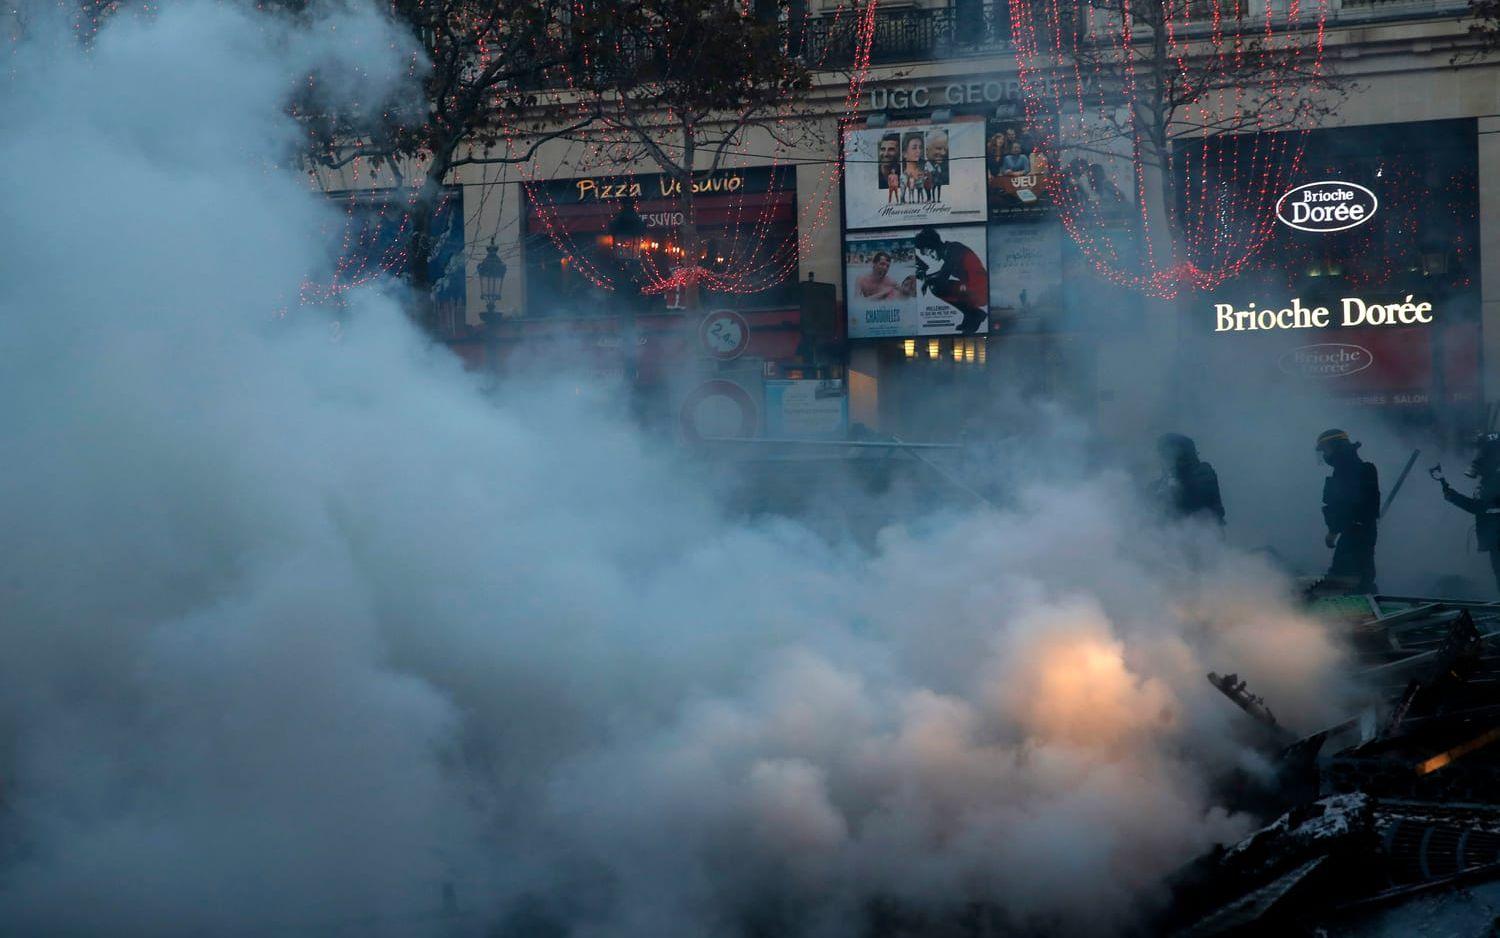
(724, 335)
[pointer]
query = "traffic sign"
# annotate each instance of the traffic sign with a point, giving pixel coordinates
(719, 408)
(724, 335)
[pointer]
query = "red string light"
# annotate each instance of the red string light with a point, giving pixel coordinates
(756, 252)
(1089, 76)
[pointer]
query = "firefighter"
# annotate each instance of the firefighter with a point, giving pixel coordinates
(1188, 487)
(1485, 503)
(1351, 510)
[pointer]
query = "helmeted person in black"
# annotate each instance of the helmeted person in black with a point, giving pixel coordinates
(1485, 504)
(1188, 487)
(1351, 510)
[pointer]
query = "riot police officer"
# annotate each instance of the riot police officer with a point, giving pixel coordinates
(1485, 503)
(1351, 510)
(1188, 487)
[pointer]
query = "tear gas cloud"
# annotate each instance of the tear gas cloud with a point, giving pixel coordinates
(309, 636)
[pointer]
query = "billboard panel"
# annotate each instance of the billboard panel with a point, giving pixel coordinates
(931, 281)
(1026, 283)
(807, 409)
(1018, 168)
(1095, 166)
(914, 173)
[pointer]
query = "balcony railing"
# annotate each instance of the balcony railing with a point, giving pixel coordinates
(966, 28)
(1399, 5)
(977, 27)
(970, 27)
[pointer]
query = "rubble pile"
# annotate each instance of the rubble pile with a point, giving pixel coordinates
(1393, 815)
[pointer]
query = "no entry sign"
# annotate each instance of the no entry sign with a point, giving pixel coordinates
(719, 408)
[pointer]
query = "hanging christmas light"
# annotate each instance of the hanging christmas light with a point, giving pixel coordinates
(756, 251)
(755, 248)
(1175, 100)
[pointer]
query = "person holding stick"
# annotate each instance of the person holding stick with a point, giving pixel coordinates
(1484, 504)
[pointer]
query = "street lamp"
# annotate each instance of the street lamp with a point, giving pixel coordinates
(625, 231)
(491, 270)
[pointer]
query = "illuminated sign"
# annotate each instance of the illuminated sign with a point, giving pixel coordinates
(1353, 311)
(1327, 206)
(992, 91)
(1328, 360)
(656, 187)
(663, 219)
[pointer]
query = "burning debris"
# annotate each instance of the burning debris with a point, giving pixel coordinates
(1395, 806)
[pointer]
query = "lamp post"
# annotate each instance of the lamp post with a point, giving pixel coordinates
(626, 231)
(491, 270)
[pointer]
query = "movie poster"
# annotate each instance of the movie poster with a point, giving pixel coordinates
(1026, 276)
(923, 282)
(1096, 167)
(914, 173)
(1091, 300)
(1017, 168)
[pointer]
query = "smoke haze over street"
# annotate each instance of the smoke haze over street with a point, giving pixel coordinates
(309, 631)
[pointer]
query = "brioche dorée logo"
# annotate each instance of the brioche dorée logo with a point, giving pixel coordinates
(1326, 206)
(1352, 311)
(1326, 360)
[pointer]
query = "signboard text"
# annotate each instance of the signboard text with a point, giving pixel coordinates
(1327, 206)
(1353, 311)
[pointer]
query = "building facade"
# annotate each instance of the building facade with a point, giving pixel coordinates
(1024, 310)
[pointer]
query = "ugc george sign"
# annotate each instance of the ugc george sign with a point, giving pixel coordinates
(1326, 206)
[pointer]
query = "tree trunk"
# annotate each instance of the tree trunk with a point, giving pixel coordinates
(420, 244)
(688, 231)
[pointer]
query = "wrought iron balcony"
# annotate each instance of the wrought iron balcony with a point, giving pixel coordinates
(967, 27)
(1345, 10)
(1435, 5)
(976, 27)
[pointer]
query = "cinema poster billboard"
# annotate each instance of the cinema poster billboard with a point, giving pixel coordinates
(917, 282)
(913, 173)
(1091, 300)
(1026, 281)
(1018, 169)
(1095, 168)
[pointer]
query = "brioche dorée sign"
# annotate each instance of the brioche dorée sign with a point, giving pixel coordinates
(1350, 311)
(1326, 360)
(1326, 206)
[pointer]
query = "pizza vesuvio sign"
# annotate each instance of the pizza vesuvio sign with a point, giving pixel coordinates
(1326, 206)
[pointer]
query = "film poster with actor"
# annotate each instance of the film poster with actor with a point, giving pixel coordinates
(923, 282)
(914, 173)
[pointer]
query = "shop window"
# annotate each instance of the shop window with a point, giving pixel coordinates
(374, 236)
(746, 238)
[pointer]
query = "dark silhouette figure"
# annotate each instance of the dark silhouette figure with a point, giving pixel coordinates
(1351, 510)
(1485, 503)
(959, 279)
(1188, 487)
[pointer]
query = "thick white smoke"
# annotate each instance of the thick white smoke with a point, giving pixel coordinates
(308, 636)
